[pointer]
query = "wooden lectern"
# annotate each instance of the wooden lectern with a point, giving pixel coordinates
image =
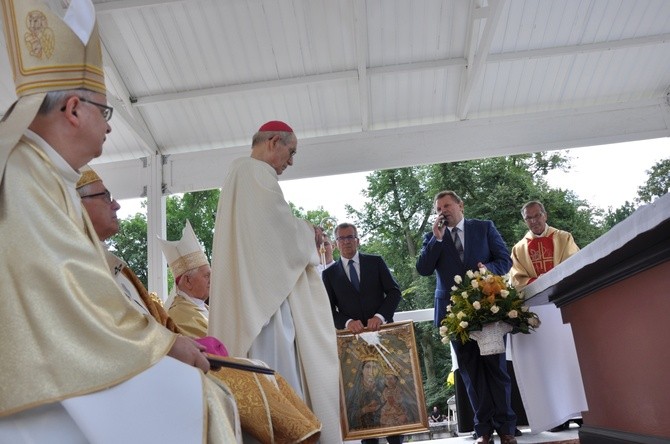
(615, 293)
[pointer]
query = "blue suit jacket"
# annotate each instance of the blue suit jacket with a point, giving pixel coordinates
(379, 291)
(483, 244)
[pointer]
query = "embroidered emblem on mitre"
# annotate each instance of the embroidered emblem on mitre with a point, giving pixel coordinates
(52, 47)
(185, 254)
(88, 175)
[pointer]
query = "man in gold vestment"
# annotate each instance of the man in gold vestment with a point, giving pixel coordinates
(72, 346)
(545, 362)
(191, 271)
(269, 410)
(541, 249)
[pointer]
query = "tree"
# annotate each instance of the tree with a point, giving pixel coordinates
(400, 209)
(198, 207)
(131, 244)
(657, 184)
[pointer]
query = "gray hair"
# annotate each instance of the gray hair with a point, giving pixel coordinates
(530, 204)
(261, 136)
(54, 99)
(344, 225)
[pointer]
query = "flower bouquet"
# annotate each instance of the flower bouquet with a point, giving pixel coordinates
(485, 299)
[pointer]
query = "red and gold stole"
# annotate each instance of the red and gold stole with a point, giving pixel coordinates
(541, 252)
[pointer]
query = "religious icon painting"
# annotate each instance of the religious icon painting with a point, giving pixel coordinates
(381, 391)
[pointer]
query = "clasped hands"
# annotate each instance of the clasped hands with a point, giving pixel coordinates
(356, 326)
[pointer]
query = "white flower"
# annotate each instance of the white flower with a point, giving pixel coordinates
(521, 295)
(482, 270)
(451, 315)
(524, 309)
(470, 274)
(476, 305)
(443, 330)
(534, 322)
(463, 324)
(461, 315)
(513, 314)
(454, 288)
(449, 307)
(504, 293)
(458, 279)
(495, 309)
(445, 340)
(465, 294)
(474, 283)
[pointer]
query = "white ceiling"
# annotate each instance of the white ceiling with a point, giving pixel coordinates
(371, 84)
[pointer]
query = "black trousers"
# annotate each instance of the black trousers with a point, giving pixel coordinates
(489, 388)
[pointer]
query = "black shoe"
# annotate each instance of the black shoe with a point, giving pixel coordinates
(561, 427)
(517, 432)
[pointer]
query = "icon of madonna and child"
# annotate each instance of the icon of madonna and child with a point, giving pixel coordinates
(380, 383)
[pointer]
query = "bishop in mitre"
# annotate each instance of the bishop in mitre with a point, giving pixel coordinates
(270, 410)
(73, 348)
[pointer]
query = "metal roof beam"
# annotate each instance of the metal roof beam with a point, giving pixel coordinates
(634, 42)
(418, 145)
(120, 5)
(476, 69)
(123, 107)
(361, 26)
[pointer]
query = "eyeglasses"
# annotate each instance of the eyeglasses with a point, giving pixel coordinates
(106, 111)
(291, 151)
(106, 196)
(345, 238)
(532, 218)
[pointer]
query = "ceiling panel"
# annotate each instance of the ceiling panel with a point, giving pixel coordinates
(376, 82)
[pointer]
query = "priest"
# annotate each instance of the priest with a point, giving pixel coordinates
(267, 300)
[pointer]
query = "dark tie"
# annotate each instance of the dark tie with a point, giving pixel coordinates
(457, 242)
(354, 276)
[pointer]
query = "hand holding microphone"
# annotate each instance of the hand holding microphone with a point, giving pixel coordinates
(439, 226)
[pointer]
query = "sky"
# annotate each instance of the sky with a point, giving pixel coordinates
(604, 175)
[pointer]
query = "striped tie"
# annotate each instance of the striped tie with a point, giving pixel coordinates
(457, 242)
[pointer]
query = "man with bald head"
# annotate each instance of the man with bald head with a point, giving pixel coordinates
(267, 300)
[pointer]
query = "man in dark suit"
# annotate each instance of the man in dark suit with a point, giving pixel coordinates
(455, 246)
(363, 293)
(378, 295)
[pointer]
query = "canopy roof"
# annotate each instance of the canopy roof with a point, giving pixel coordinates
(370, 84)
(366, 85)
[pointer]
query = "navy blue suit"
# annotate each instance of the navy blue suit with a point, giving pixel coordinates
(379, 291)
(486, 379)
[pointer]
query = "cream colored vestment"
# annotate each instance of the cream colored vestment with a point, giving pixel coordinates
(66, 330)
(262, 258)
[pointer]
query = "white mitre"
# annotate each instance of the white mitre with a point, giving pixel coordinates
(185, 254)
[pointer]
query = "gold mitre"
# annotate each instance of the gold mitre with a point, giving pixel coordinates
(88, 175)
(185, 254)
(50, 53)
(47, 53)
